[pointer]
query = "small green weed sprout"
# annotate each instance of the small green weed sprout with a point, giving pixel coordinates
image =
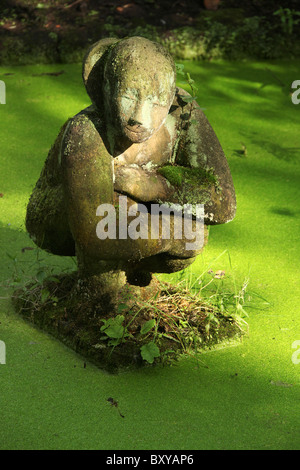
(193, 92)
(30, 277)
(114, 330)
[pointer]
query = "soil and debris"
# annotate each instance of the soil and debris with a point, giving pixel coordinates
(179, 323)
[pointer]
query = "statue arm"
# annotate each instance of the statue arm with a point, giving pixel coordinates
(141, 184)
(87, 177)
(206, 177)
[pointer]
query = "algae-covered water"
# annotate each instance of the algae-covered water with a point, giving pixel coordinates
(241, 397)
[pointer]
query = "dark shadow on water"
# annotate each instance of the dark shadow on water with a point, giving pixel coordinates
(21, 259)
(283, 211)
(289, 154)
(239, 153)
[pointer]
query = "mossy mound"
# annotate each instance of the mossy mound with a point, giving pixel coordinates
(149, 325)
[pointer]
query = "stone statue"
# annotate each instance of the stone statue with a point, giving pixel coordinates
(141, 139)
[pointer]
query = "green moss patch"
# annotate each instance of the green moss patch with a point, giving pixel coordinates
(177, 175)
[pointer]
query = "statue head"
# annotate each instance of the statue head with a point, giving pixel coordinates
(135, 85)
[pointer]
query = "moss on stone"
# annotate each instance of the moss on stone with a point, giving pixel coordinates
(177, 175)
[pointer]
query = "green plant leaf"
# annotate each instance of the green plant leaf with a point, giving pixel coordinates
(41, 275)
(180, 69)
(113, 327)
(53, 279)
(147, 326)
(114, 331)
(187, 99)
(114, 342)
(45, 295)
(149, 352)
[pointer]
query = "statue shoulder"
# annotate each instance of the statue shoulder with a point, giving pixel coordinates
(89, 119)
(83, 134)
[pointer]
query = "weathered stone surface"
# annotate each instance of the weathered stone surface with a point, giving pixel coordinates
(46, 217)
(141, 140)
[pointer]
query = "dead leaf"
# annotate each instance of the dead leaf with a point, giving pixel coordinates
(219, 274)
(278, 383)
(115, 404)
